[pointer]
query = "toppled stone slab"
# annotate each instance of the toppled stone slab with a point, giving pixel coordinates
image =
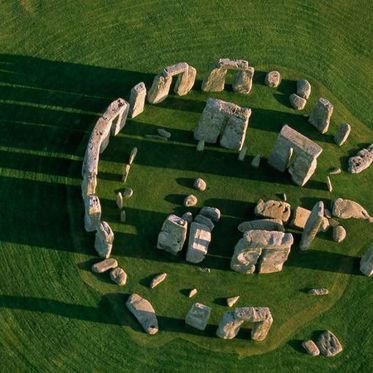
(295, 152)
(105, 265)
(300, 217)
(133, 155)
(321, 114)
(304, 88)
(311, 347)
(366, 262)
(137, 100)
(339, 233)
(232, 301)
(201, 219)
(164, 133)
(225, 120)
(200, 184)
(347, 209)
(212, 213)
(192, 293)
(318, 291)
(144, 313)
(312, 226)
(329, 344)
(190, 200)
(297, 102)
(329, 184)
(342, 134)
(199, 240)
(157, 280)
(361, 161)
(173, 234)
(116, 115)
(118, 276)
(92, 216)
(198, 316)
(273, 79)
(273, 209)
(267, 249)
(262, 224)
(231, 322)
(104, 240)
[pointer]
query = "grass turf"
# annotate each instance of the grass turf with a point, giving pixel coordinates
(57, 316)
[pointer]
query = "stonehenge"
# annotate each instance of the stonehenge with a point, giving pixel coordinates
(215, 80)
(198, 316)
(295, 152)
(231, 322)
(173, 234)
(137, 100)
(361, 161)
(162, 82)
(342, 134)
(263, 250)
(321, 114)
(104, 240)
(224, 120)
(92, 216)
(312, 226)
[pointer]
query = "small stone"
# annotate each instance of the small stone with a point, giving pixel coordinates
(162, 132)
(272, 79)
(284, 197)
(119, 200)
(201, 146)
(327, 214)
(329, 184)
(118, 276)
(204, 269)
(188, 216)
(198, 316)
(157, 280)
(329, 344)
(126, 171)
(192, 293)
(335, 171)
(127, 193)
(190, 200)
(339, 233)
(342, 134)
(200, 184)
(256, 161)
(311, 348)
(156, 137)
(123, 216)
(212, 213)
(303, 88)
(132, 155)
(105, 265)
(366, 262)
(297, 102)
(232, 301)
(318, 291)
(242, 154)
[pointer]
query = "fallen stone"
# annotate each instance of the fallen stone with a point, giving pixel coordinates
(242, 153)
(232, 301)
(342, 134)
(321, 114)
(105, 265)
(273, 209)
(127, 193)
(199, 240)
(335, 171)
(132, 156)
(297, 102)
(329, 344)
(312, 226)
(118, 276)
(366, 262)
(192, 293)
(256, 161)
(212, 213)
(123, 216)
(339, 233)
(318, 291)
(273, 79)
(144, 313)
(361, 161)
(119, 200)
(311, 348)
(304, 88)
(347, 209)
(162, 132)
(126, 171)
(284, 197)
(300, 217)
(200, 184)
(329, 185)
(104, 240)
(157, 280)
(188, 216)
(173, 234)
(198, 316)
(137, 100)
(262, 224)
(201, 219)
(190, 200)
(92, 216)
(201, 146)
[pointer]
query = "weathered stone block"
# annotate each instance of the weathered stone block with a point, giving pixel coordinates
(173, 234)
(321, 114)
(137, 100)
(199, 240)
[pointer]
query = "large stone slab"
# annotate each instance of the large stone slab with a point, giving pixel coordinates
(137, 100)
(347, 209)
(273, 209)
(159, 89)
(312, 226)
(198, 316)
(328, 344)
(262, 224)
(321, 114)
(342, 134)
(104, 265)
(199, 240)
(361, 161)
(104, 240)
(300, 216)
(173, 234)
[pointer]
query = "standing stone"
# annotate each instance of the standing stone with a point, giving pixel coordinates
(311, 347)
(303, 88)
(366, 262)
(199, 240)
(342, 134)
(200, 184)
(212, 213)
(127, 193)
(297, 102)
(273, 79)
(118, 276)
(273, 209)
(329, 184)
(215, 80)
(243, 81)
(321, 114)
(123, 216)
(126, 171)
(105, 265)
(119, 200)
(312, 226)
(164, 133)
(185, 81)
(159, 89)
(173, 234)
(157, 280)
(92, 217)
(144, 313)
(132, 156)
(339, 233)
(190, 200)
(232, 301)
(361, 161)
(242, 153)
(198, 316)
(329, 344)
(201, 146)
(104, 240)
(256, 161)
(137, 100)
(192, 293)
(347, 209)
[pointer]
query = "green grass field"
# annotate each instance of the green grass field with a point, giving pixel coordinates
(61, 64)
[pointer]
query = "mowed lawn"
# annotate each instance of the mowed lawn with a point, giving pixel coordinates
(61, 64)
